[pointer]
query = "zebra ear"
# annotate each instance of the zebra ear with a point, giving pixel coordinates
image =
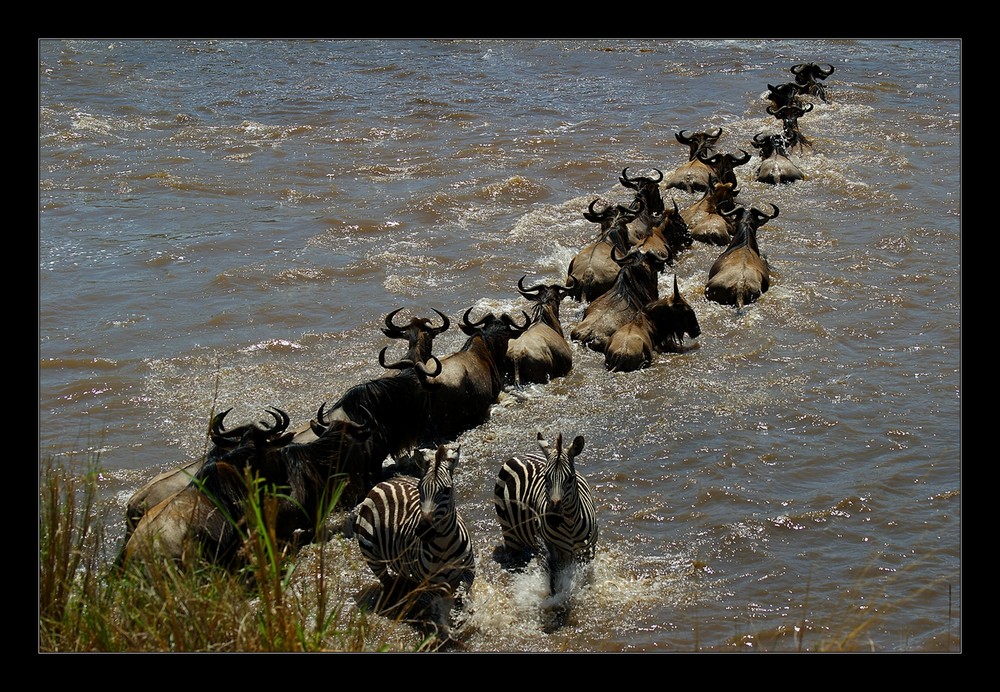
(577, 445)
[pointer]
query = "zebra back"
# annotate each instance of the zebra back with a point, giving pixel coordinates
(410, 528)
(517, 496)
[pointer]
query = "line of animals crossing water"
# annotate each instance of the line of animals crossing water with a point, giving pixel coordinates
(386, 449)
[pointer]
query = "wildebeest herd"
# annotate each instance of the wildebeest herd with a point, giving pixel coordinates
(386, 450)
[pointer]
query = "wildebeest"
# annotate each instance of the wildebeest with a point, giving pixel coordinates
(541, 352)
(207, 518)
(419, 334)
(647, 203)
(741, 274)
(809, 77)
(782, 95)
(592, 270)
(471, 379)
(397, 409)
(775, 167)
(694, 175)
(634, 288)
(723, 166)
(795, 141)
(704, 218)
(168, 483)
(659, 326)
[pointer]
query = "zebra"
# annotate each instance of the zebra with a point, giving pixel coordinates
(546, 507)
(413, 538)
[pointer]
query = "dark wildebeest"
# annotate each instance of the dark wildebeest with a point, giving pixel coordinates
(655, 227)
(660, 326)
(704, 218)
(741, 274)
(782, 95)
(207, 518)
(809, 77)
(795, 141)
(396, 409)
(635, 287)
(168, 483)
(471, 379)
(694, 175)
(775, 167)
(541, 352)
(723, 167)
(419, 334)
(592, 270)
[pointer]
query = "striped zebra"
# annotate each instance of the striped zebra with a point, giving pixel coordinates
(545, 506)
(413, 538)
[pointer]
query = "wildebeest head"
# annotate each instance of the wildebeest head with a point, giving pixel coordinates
(490, 325)
(699, 142)
(786, 94)
(723, 165)
(226, 440)
(546, 299)
(809, 77)
(747, 223)
(647, 190)
(675, 230)
(419, 333)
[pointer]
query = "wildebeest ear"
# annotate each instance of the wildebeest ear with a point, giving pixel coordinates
(543, 443)
(450, 455)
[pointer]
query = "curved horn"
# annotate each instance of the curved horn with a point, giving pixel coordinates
(825, 73)
(677, 292)
(509, 321)
(529, 293)
(320, 415)
(217, 428)
(594, 215)
(393, 330)
(401, 364)
(681, 138)
(618, 259)
(445, 323)
(718, 133)
(795, 69)
(733, 211)
(467, 325)
(569, 288)
(626, 181)
(281, 421)
(740, 162)
(806, 108)
(659, 173)
(427, 372)
(775, 214)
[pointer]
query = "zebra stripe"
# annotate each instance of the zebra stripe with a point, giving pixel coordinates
(542, 503)
(409, 529)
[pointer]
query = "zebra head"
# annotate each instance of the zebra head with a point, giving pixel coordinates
(437, 491)
(560, 473)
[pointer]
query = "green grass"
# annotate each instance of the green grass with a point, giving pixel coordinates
(87, 604)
